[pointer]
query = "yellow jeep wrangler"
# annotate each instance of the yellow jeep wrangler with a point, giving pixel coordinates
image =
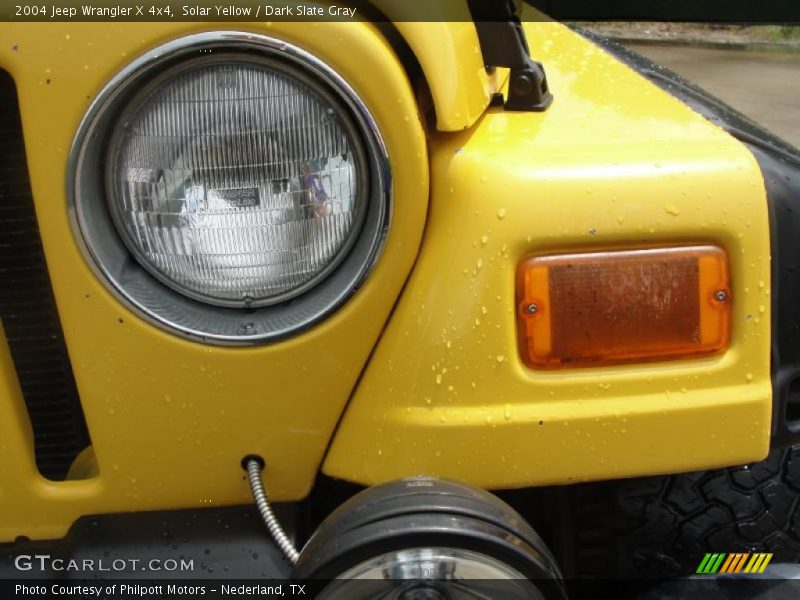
(368, 268)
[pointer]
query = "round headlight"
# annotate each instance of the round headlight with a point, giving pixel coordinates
(231, 187)
(236, 180)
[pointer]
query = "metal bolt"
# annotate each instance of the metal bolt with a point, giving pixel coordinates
(246, 328)
(721, 296)
(522, 84)
(531, 309)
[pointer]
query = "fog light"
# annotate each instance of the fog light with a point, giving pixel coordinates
(609, 307)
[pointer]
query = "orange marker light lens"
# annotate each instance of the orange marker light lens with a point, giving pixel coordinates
(596, 308)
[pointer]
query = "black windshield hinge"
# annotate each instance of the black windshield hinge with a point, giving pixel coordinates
(503, 44)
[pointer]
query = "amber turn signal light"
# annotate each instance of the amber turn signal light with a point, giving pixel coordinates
(597, 308)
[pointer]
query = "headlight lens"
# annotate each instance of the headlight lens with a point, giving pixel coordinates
(231, 187)
(236, 181)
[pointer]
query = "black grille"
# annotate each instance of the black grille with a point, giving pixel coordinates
(28, 309)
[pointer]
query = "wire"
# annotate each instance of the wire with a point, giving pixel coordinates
(270, 520)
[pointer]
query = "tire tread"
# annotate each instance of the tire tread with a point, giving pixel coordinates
(662, 526)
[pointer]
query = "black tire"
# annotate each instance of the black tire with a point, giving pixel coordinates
(424, 512)
(663, 526)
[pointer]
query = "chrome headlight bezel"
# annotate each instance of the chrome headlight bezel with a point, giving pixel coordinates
(159, 301)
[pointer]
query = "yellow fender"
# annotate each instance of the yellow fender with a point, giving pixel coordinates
(615, 162)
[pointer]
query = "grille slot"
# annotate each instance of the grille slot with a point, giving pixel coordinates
(28, 308)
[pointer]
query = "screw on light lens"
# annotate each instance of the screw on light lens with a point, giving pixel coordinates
(617, 306)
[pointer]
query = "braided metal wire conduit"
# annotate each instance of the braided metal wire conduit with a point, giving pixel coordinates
(254, 467)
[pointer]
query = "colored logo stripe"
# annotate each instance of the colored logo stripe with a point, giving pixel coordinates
(758, 563)
(710, 563)
(734, 563)
(722, 562)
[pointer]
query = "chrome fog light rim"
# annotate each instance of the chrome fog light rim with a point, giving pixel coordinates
(181, 314)
(432, 572)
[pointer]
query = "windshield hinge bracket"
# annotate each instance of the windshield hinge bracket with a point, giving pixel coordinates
(503, 44)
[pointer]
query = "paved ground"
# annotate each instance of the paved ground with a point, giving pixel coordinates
(763, 85)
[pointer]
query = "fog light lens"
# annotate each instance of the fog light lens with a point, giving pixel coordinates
(599, 308)
(237, 181)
